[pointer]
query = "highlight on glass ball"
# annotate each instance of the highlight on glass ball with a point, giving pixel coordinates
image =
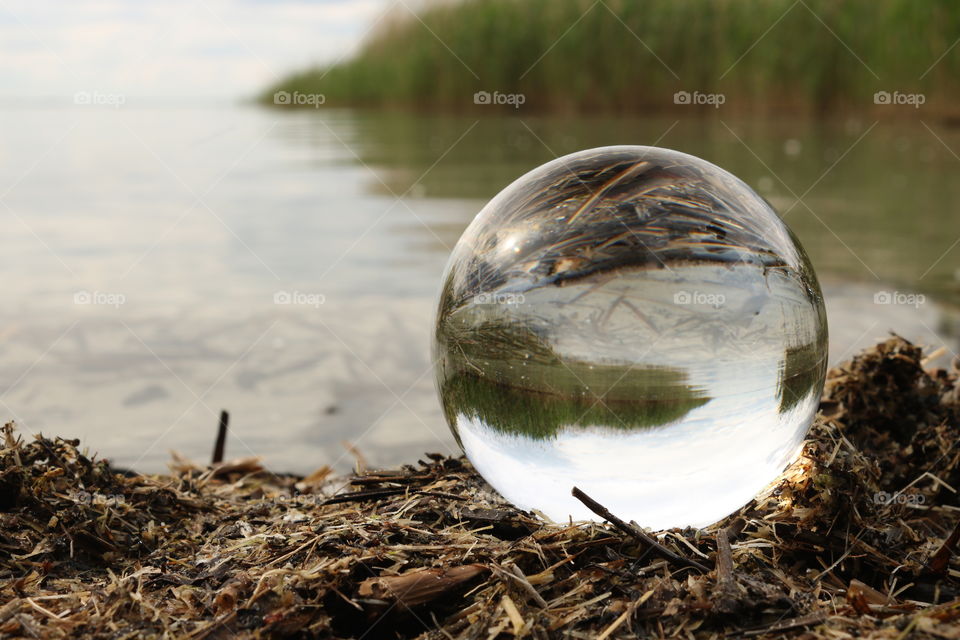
(635, 322)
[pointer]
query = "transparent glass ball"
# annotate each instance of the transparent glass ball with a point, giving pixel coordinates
(636, 322)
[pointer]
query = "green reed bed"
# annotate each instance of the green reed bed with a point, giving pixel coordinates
(616, 55)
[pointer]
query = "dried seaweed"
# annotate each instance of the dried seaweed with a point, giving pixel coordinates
(857, 538)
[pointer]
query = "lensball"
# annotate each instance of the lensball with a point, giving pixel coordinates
(636, 322)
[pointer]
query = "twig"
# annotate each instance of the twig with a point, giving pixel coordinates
(513, 571)
(360, 461)
(10, 609)
(932, 356)
(793, 623)
(514, 614)
(376, 494)
(361, 496)
(939, 561)
(840, 559)
(724, 557)
(623, 616)
(636, 532)
(440, 494)
(387, 479)
(221, 438)
(726, 593)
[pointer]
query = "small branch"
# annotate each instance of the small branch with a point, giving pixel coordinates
(514, 572)
(726, 591)
(939, 561)
(221, 438)
(377, 494)
(386, 479)
(785, 625)
(362, 496)
(636, 532)
(724, 557)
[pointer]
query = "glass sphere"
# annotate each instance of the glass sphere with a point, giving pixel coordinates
(636, 322)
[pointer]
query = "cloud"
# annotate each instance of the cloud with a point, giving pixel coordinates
(174, 49)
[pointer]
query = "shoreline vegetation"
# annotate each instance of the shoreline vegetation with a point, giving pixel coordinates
(857, 538)
(574, 56)
(527, 388)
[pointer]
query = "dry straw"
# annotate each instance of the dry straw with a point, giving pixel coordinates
(856, 539)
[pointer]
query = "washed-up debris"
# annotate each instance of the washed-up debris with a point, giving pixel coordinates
(858, 538)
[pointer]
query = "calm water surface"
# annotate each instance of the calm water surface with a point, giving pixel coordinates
(163, 263)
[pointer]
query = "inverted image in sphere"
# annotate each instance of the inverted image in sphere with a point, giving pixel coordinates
(636, 322)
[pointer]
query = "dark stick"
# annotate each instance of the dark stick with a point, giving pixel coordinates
(724, 557)
(221, 437)
(361, 496)
(376, 494)
(785, 625)
(726, 592)
(636, 532)
(374, 479)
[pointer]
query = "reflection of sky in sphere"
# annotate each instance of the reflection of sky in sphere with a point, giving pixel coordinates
(710, 463)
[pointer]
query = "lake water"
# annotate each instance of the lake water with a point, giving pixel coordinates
(163, 263)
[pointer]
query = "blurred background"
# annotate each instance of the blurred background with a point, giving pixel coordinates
(248, 205)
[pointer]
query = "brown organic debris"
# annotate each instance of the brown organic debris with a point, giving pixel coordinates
(419, 586)
(858, 538)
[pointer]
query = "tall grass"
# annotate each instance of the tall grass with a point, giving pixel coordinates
(629, 55)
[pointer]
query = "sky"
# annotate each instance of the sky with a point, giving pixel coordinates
(171, 50)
